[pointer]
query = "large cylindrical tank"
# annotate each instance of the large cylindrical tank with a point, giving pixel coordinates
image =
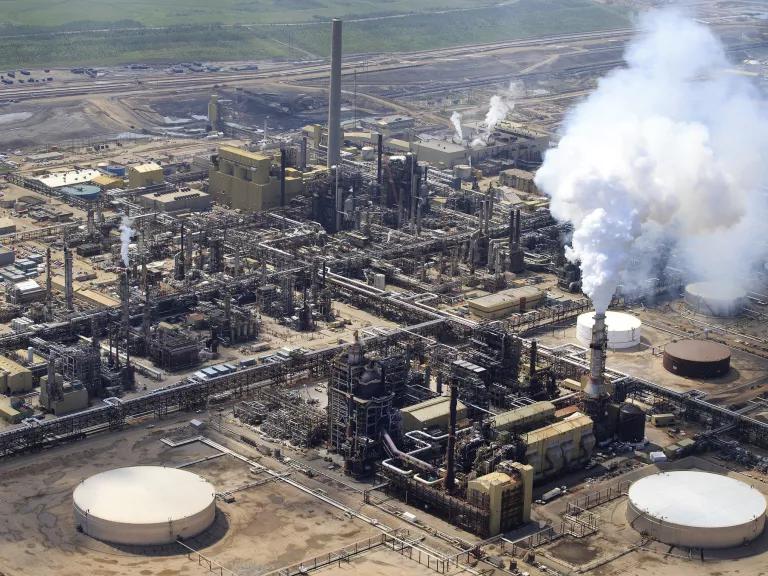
(631, 424)
(368, 153)
(697, 358)
(713, 299)
(623, 330)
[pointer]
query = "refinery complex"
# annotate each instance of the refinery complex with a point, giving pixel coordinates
(365, 315)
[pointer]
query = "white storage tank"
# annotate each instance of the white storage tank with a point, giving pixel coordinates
(696, 509)
(624, 330)
(715, 299)
(144, 505)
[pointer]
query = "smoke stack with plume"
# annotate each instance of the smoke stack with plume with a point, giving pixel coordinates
(456, 121)
(499, 107)
(125, 238)
(667, 152)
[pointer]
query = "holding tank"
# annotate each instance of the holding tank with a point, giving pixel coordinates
(631, 424)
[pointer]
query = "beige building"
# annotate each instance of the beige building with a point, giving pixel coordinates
(524, 418)
(106, 182)
(560, 446)
(506, 302)
(431, 413)
(72, 399)
(245, 180)
(145, 175)
(522, 180)
(14, 377)
(186, 200)
(507, 494)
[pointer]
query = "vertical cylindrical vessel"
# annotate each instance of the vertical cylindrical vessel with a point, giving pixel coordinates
(334, 101)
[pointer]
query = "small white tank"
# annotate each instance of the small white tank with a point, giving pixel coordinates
(368, 152)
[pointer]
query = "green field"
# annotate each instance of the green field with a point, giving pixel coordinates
(69, 32)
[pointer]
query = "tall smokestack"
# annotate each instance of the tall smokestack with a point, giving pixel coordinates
(68, 278)
(282, 176)
(48, 282)
(334, 101)
(595, 388)
(450, 475)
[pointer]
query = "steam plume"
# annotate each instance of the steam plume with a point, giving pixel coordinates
(125, 238)
(666, 152)
(499, 107)
(456, 121)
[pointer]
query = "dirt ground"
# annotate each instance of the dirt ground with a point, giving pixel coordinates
(617, 549)
(268, 526)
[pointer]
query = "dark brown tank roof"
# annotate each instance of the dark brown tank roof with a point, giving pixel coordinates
(698, 350)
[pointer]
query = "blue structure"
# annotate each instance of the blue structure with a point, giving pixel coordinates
(82, 191)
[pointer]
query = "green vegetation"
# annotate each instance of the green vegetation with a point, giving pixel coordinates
(44, 33)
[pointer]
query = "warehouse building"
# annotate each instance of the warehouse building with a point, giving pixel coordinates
(506, 302)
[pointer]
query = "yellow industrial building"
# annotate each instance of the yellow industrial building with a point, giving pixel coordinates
(525, 418)
(245, 180)
(506, 302)
(561, 446)
(14, 378)
(144, 175)
(14, 410)
(72, 398)
(507, 494)
(432, 413)
(106, 182)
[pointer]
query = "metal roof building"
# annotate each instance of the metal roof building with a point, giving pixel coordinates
(431, 413)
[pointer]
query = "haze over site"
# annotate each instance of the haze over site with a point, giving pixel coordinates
(667, 153)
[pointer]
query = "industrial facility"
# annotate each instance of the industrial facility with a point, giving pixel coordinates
(363, 337)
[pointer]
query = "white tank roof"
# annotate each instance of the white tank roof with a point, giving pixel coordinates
(144, 505)
(698, 499)
(696, 509)
(623, 329)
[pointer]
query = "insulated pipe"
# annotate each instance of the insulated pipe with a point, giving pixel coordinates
(334, 100)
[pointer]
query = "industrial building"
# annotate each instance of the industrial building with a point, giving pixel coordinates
(145, 175)
(561, 446)
(365, 325)
(506, 302)
(14, 378)
(177, 201)
(432, 413)
(246, 181)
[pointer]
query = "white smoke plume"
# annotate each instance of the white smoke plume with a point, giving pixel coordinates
(456, 121)
(499, 107)
(669, 151)
(125, 238)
